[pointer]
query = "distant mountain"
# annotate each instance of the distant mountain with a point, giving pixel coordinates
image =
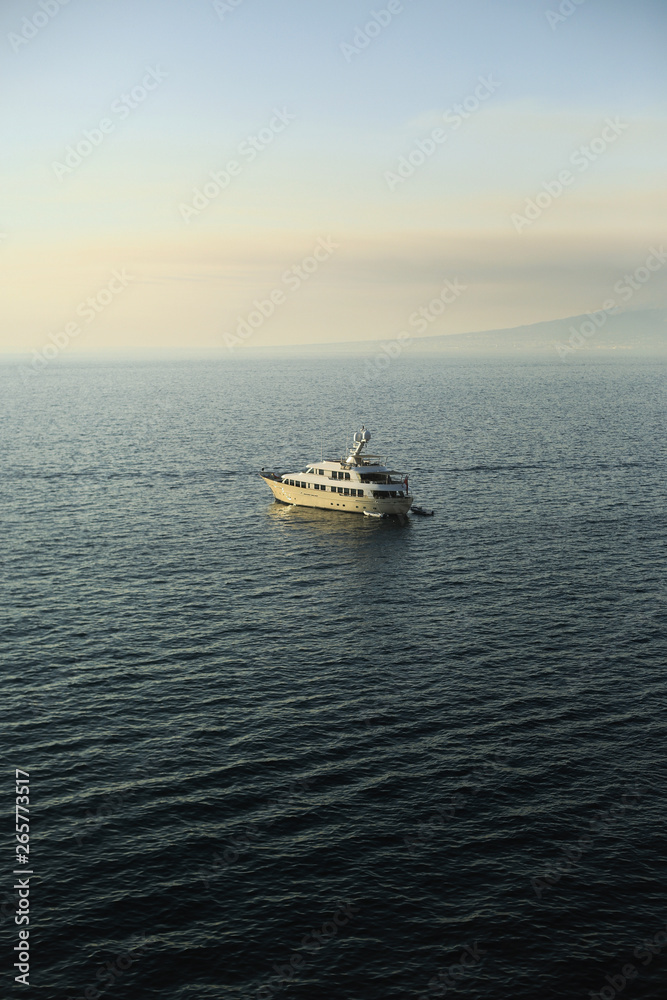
(642, 331)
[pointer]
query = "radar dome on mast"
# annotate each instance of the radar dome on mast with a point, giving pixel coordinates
(360, 439)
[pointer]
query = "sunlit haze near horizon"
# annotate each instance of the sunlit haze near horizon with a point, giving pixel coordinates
(315, 172)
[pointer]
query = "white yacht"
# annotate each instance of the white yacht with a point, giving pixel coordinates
(358, 484)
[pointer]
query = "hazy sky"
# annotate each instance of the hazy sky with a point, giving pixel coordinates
(116, 111)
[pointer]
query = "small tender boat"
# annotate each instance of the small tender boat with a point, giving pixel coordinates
(421, 512)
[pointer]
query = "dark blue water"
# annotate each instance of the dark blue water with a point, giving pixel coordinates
(259, 735)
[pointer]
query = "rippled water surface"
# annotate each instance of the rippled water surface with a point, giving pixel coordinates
(260, 735)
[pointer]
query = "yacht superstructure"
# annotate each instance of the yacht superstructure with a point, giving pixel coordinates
(356, 484)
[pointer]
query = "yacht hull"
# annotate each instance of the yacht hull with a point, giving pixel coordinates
(336, 501)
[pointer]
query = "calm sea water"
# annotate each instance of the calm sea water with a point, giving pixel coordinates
(284, 752)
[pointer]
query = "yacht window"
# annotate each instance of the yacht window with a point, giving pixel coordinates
(347, 475)
(346, 492)
(333, 489)
(321, 471)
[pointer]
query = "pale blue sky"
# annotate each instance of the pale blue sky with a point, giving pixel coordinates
(326, 171)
